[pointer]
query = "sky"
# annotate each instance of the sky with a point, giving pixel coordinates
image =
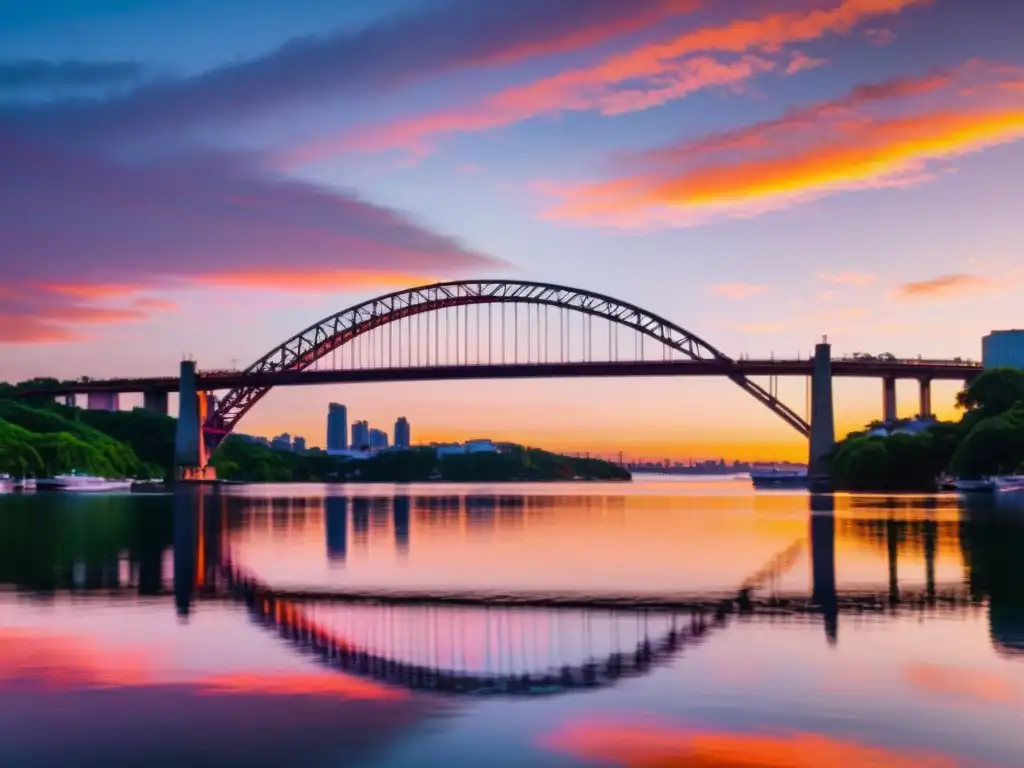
(208, 178)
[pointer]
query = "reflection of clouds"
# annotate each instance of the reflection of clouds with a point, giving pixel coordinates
(659, 746)
(965, 684)
(50, 662)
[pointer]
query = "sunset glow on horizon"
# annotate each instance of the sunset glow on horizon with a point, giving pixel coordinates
(760, 174)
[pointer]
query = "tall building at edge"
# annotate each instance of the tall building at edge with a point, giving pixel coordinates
(337, 427)
(378, 439)
(402, 433)
(1003, 349)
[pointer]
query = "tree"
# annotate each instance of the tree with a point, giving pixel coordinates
(993, 392)
(994, 446)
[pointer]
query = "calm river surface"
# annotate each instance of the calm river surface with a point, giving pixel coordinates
(180, 629)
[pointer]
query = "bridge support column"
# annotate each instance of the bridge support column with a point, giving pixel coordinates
(926, 398)
(889, 400)
(823, 431)
(70, 400)
(103, 401)
(155, 401)
(189, 453)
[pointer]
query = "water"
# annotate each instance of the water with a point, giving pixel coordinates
(169, 630)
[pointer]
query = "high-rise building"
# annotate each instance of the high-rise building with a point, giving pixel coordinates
(337, 427)
(1000, 349)
(402, 433)
(299, 445)
(282, 442)
(378, 439)
(360, 436)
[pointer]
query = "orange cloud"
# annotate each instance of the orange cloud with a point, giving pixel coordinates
(647, 76)
(813, 152)
(319, 280)
(963, 683)
(646, 746)
(946, 287)
(735, 291)
(800, 62)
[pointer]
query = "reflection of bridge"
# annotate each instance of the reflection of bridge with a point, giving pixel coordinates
(499, 329)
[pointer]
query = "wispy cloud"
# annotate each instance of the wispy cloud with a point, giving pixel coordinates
(735, 291)
(946, 287)
(886, 135)
(120, 231)
(648, 75)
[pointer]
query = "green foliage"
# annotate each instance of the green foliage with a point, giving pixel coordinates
(988, 440)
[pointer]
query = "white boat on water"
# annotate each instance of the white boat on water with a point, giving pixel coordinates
(78, 483)
(25, 484)
(1008, 483)
(984, 485)
(774, 477)
(6, 484)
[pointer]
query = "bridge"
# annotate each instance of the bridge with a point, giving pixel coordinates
(479, 329)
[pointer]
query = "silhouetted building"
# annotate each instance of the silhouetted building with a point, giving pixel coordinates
(282, 442)
(1000, 349)
(378, 439)
(337, 427)
(360, 436)
(402, 433)
(299, 445)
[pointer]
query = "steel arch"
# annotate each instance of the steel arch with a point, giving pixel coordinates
(320, 339)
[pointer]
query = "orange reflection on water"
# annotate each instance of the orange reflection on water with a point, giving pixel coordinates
(656, 746)
(60, 662)
(298, 684)
(965, 684)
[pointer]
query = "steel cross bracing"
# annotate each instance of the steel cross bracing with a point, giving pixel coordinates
(331, 333)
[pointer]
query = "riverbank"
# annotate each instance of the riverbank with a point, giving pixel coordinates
(987, 440)
(46, 439)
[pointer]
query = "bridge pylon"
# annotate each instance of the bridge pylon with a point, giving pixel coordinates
(823, 430)
(190, 454)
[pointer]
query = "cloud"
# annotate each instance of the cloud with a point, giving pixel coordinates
(395, 52)
(119, 231)
(646, 76)
(857, 279)
(946, 287)
(36, 73)
(643, 745)
(800, 62)
(880, 36)
(735, 291)
(890, 134)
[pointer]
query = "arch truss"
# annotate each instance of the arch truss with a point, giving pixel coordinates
(321, 339)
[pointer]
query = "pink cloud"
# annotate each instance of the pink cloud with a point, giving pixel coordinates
(736, 291)
(946, 287)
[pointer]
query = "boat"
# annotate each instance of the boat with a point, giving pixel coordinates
(6, 484)
(984, 485)
(1008, 483)
(25, 484)
(79, 483)
(773, 477)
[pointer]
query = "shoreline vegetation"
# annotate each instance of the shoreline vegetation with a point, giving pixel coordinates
(987, 440)
(41, 438)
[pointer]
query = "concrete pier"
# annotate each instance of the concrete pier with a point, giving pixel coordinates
(155, 401)
(889, 400)
(823, 431)
(926, 398)
(187, 440)
(70, 401)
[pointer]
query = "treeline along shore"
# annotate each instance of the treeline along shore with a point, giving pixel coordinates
(41, 438)
(987, 440)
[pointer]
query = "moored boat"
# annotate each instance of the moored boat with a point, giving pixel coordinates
(983, 485)
(6, 484)
(1008, 483)
(774, 477)
(24, 484)
(79, 483)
